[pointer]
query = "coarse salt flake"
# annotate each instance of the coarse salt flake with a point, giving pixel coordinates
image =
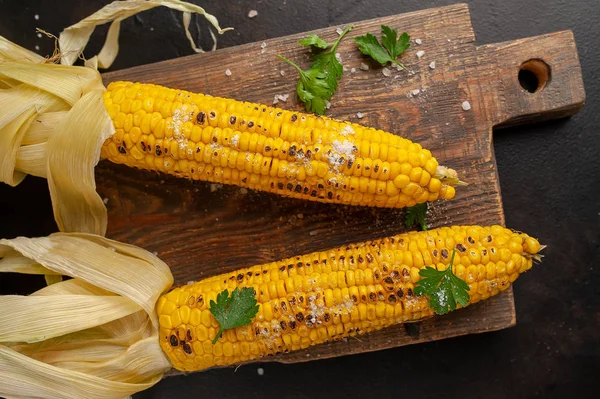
(252, 13)
(364, 66)
(432, 65)
(415, 92)
(347, 130)
(352, 70)
(418, 41)
(360, 115)
(343, 147)
(228, 72)
(420, 53)
(263, 45)
(36, 17)
(260, 371)
(105, 200)
(466, 105)
(339, 31)
(386, 72)
(338, 57)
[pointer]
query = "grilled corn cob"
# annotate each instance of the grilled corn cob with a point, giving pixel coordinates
(307, 300)
(270, 149)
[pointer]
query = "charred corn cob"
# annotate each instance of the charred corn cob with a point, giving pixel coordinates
(324, 296)
(270, 149)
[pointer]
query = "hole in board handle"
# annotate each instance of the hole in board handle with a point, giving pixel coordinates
(534, 75)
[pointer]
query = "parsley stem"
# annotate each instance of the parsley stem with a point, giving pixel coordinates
(452, 260)
(335, 44)
(214, 341)
(289, 62)
(400, 65)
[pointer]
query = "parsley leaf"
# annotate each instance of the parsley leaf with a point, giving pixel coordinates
(390, 48)
(313, 88)
(318, 84)
(443, 288)
(369, 45)
(314, 40)
(394, 46)
(416, 214)
(234, 311)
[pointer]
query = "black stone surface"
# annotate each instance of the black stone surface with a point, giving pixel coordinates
(550, 178)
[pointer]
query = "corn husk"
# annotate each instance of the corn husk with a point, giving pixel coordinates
(52, 117)
(73, 40)
(92, 336)
(52, 124)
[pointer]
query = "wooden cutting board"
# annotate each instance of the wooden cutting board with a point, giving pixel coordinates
(201, 229)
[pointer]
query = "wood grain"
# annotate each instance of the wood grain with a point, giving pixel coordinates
(201, 229)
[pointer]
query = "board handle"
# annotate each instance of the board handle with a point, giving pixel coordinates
(540, 78)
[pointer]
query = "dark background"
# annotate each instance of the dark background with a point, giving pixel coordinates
(550, 179)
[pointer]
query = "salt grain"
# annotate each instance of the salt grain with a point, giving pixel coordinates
(155, 253)
(260, 371)
(386, 72)
(364, 67)
(39, 35)
(418, 41)
(36, 17)
(282, 73)
(347, 130)
(105, 200)
(252, 13)
(338, 57)
(359, 115)
(327, 104)
(420, 53)
(415, 92)
(228, 72)
(280, 97)
(432, 65)
(37, 48)
(352, 70)
(466, 105)
(339, 31)
(263, 45)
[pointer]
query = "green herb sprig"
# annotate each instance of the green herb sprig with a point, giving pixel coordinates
(234, 311)
(443, 288)
(390, 48)
(317, 85)
(416, 214)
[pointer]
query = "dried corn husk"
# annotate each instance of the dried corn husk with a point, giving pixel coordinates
(52, 117)
(73, 40)
(93, 336)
